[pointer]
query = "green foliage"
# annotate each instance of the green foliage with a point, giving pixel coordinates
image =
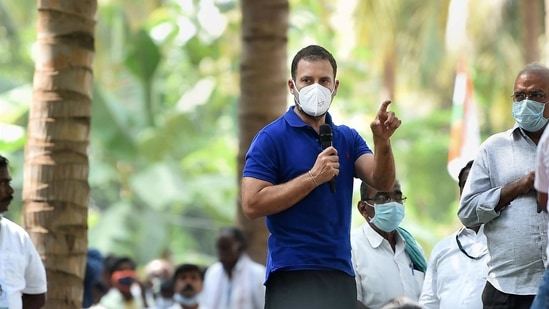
(143, 56)
(164, 119)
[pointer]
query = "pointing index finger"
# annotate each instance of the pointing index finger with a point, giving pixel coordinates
(384, 105)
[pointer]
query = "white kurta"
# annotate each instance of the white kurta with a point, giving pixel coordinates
(21, 269)
(453, 280)
(244, 291)
(382, 274)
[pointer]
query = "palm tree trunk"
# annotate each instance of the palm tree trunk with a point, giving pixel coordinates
(546, 34)
(531, 29)
(56, 189)
(263, 75)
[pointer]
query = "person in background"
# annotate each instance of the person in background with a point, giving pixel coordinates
(387, 260)
(304, 188)
(164, 298)
(92, 278)
(108, 266)
(188, 280)
(22, 274)
(500, 194)
(541, 183)
(235, 281)
(157, 272)
(126, 291)
(457, 269)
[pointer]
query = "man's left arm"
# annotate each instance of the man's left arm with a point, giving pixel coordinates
(379, 171)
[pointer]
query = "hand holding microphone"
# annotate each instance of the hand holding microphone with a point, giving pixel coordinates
(326, 140)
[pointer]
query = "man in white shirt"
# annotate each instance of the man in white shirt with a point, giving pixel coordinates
(188, 280)
(384, 267)
(500, 194)
(541, 183)
(456, 274)
(236, 281)
(22, 273)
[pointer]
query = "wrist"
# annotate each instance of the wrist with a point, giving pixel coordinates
(313, 178)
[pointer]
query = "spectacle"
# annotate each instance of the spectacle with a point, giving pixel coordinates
(386, 197)
(538, 96)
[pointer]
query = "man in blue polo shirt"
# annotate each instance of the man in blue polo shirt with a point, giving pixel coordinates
(288, 178)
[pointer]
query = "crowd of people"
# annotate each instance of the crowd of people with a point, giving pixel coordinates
(299, 175)
(234, 281)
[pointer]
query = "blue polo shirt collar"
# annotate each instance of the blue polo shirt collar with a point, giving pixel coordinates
(293, 119)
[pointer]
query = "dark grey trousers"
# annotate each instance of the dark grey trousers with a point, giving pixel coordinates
(303, 289)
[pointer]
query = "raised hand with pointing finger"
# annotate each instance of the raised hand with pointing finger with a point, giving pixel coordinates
(385, 123)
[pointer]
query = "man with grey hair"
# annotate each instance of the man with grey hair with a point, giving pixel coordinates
(500, 194)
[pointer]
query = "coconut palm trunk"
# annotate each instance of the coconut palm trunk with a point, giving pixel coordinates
(56, 189)
(263, 97)
(531, 29)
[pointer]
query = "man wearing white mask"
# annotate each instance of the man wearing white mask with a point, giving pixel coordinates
(303, 185)
(388, 261)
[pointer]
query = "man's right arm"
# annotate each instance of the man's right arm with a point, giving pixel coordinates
(514, 189)
(262, 198)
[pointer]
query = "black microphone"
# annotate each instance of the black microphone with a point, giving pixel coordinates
(326, 138)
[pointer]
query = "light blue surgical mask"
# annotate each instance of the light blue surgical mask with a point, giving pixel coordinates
(529, 115)
(388, 216)
(185, 301)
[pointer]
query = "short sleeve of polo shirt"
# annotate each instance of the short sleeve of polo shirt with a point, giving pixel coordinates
(261, 162)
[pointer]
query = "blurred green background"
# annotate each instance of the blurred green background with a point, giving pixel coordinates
(163, 170)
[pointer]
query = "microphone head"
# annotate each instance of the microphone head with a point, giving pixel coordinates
(325, 133)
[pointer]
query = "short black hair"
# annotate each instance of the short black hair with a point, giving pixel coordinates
(3, 162)
(115, 262)
(183, 268)
(312, 53)
(237, 234)
(461, 176)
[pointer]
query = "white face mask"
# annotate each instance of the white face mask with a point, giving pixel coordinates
(314, 100)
